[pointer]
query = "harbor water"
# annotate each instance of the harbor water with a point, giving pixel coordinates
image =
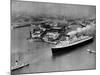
(41, 59)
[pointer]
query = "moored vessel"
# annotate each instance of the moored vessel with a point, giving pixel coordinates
(71, 44)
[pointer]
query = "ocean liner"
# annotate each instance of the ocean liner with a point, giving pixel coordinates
(71, 44)
(75, 38)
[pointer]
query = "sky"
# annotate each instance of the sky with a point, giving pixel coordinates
(36, 8)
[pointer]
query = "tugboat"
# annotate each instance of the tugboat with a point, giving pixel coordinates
(19, 65)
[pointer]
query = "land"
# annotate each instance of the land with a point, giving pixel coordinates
(50, 29)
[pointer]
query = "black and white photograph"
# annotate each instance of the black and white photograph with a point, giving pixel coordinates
(52, 37)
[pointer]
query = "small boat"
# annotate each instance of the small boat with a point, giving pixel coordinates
(66, 45)
(19, 66)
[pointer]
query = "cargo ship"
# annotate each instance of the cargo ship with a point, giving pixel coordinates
(69, 45)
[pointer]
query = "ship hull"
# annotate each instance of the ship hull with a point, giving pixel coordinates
(71, 47)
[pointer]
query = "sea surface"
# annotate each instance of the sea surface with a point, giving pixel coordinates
(41, 59)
